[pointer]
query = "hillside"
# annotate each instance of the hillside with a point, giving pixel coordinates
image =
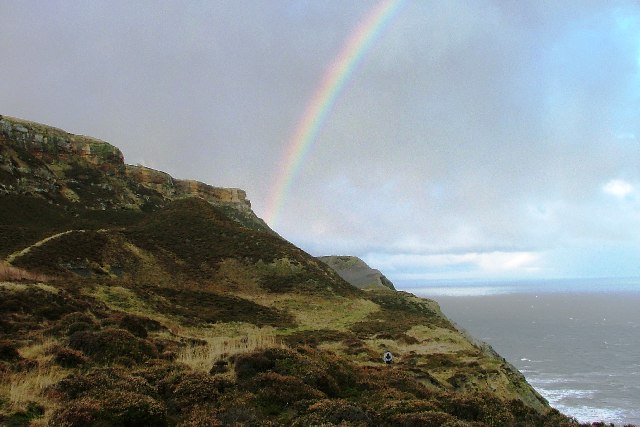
(357, 272)
(129, 298)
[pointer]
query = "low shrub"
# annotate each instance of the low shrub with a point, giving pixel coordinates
(249, 365)
(276, 391)
(315, 337)
(201, 417)
(335, 412)
(134, 324)
(113, 408)
(187, 389)
(80, 326)
(8, 352)
(420, 419)
(385, 378)
(97, 381)
(23, 418)
(481, 407)
(240, 408)
(111, 345)
(68, 358)
(77, 316)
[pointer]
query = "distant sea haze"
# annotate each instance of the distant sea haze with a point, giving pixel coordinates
(576, 341)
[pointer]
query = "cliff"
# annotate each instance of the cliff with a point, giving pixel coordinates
(63, 168)
(357, 272)
(128, 297)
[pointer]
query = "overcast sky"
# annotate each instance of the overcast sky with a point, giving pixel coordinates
(475, 139)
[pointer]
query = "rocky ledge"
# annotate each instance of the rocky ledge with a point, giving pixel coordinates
(76, 170)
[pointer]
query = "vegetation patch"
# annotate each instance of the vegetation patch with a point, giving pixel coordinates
(113, 345)
(25, 307)
(332, 312)
(336, 412)
(195, 306)
(214, 353)
(113, 408)
(315, 337)
(84, 252)
(398, 314)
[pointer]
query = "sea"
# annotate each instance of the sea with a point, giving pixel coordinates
(577, 341)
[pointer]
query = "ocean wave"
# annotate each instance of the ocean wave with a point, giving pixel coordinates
(556, 396)
(588, 414)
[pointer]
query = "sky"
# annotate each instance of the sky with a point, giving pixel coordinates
(485, 139)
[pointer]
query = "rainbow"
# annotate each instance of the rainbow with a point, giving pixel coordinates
(323, 100)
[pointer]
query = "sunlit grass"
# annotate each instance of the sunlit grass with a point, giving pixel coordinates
(202, 357)
(40, 349)
(9, 273)
(18, 390)
(20, 287)
(336, 313)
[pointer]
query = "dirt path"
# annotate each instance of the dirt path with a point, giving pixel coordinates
(26, 250)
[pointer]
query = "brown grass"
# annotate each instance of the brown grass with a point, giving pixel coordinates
(19, 389)
(10, 273)
(202, 357)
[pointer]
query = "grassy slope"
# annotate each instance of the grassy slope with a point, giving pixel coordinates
(152, 303)
(184, 313)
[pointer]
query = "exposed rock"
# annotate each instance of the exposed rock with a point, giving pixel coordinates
(357, 272)
(52, 144)
(48, 162)
(153, 179)
(212, 194)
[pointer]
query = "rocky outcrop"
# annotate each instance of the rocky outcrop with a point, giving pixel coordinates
(212, 194)
(357, 272)
(64, 168)
(53, 145)
(172, 188)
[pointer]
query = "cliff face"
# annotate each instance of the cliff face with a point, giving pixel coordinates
(357, 272)
(64, 168)
(53, 145)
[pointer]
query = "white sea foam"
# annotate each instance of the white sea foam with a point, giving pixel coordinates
(588, 414)
(556, 396)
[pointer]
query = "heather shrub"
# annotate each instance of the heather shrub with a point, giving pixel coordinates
(327, 373)
(239, 408)
(168, 349)
(393, 408)
(134, 325)
(201, 417)
(313, 338)
(334, 412)
(248, 365)
(68, 358)
(479, 407)
(137, 325)
(77, 316)
(113, 408)
(420, 419)
(79, 413)
(189, 388)
(8, 352)
(22, 417)
(157, 371)
(386, 379)
(110, 345)
(79, 327)
(276, 391)
(98, 381)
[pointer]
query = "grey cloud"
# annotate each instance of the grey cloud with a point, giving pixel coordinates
(467, 127)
